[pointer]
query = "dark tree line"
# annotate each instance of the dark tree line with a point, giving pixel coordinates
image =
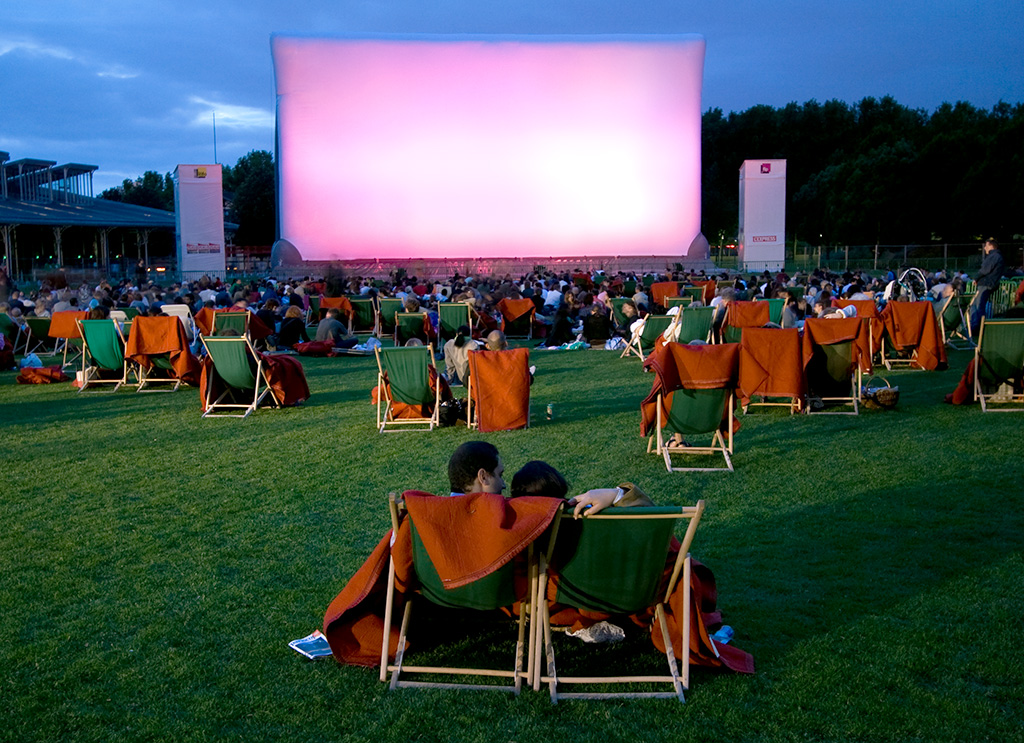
(248, 188)
(875, 171)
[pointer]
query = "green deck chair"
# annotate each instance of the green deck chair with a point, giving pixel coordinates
(38, 340)
(386, 316)
(313, 313)
(407, 370)
(834, 378)
(231, 323)
(616, 305)
(162, 373)
(775, 307)
(131, 312)
(11, 329)
(490, 593)
(629, 288)
(642, 342)
(410, 325)
(614, 562)
(953, 322)
(671, 302)
(241, 370)
(452, 315)
(695, 413)
(695, 324)
(693, 293)
(364, 316)
(999, 365)
(103, 360)
(796, 292)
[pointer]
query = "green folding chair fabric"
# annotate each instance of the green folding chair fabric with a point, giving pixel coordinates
(104, 344)
(452, 315)
(696, 411)
(314, 309)
(731, 334)
(612, 565)
(796, 292)
(1000, 353)
(364, 315)
(410, 325)
(693, 293)
(388, 308)
(654, 326)
(629, 287)
(408, 373)
(39, 338)
(230, 323)
(775, 307)
(10, 328)
(695, 324)
(233, 361)
(493, 591)
(131, 312)
(671, 302)
(616, 305)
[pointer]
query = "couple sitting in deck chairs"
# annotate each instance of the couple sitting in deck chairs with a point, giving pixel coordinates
(468, 551)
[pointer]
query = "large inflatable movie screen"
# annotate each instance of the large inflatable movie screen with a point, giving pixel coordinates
(469, 147)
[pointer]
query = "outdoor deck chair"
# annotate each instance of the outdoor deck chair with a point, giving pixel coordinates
(364, 316)
(404, 394)
(386, 315)
(868, 310)
(740, 315)
(616, 306)
(184, 313)
(695, 324)
(239, 368)
(342, 304)
(775, 307)
(131, 313)
(158, 346)
(37, 337)
(836, 353)
(313, 311)
(954, 322)
(411, 325)
(641, 344)
(493, 591)
(11, 329)
(912, 338)
(452, 316)
(615, 562)
(499, 389)
(662, 290)
(680, 302)
(999, 365)
(692, 293)
(231, 323)
(67, 337)
(517, 317)
(103, 355)
(770, 369)
(693, 395)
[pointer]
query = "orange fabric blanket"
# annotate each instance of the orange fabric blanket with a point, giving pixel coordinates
(866, 308)
(709, 287)
(63, 325)
(512, 309)
(204, 321)
(501, 388)
(770, 363)
(41, 375)
(400, 410)
(342, 303)
(747, 314)
(912, 325)
(687, 367)
(964, 392)
(661, 290)
(826, 331)
(257, 328)
(150, 336)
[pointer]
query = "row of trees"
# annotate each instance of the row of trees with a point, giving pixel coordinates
(871, 172)
(248, 189)
(874, 171)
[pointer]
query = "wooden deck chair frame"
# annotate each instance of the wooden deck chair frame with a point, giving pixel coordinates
(889, 363)
(399, 316)
(372, 326)
(720, 443)
(147, 378)
(678, 675)
(687, 312)
(517, 674)
(36, 339)
(635, 345)
(13, 332)
(384, 399)
(987, 399)
(91, 373)
(958, 338)
(856, 387)
(387, 308)
(261, 387)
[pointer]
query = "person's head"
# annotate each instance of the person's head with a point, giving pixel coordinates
(496, 341)
(271, 304)
(461, 334)
(333, 313)
(293, 311)
(476, 467)
(412, 304)
(990, 245)
(628, 308)
(98, 312)
(413, 342)
(539, 478)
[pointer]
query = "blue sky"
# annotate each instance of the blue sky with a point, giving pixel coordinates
(131, 85)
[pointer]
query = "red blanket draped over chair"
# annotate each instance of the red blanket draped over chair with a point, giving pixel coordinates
(64, 325)
(150, 336)
(342, 303)
(866, 308)
(912, 325)
(500, 381)
(748, 314)
(770, 364)
(686, 367)
(825, 331)
(709, 288)
(284, 375)
(512, 309)
(661, 290)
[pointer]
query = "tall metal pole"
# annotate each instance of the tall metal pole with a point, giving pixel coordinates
(214, 136)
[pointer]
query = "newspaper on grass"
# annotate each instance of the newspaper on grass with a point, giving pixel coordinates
(312, 646)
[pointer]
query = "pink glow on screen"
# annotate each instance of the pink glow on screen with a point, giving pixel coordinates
(514, 147)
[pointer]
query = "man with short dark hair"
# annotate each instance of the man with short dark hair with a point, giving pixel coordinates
(991, 271)
(476, 467)
(331, 329)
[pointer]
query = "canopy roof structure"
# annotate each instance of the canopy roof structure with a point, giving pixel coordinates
(88, 212)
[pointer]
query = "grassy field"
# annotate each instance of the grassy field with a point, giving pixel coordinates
(155, 565)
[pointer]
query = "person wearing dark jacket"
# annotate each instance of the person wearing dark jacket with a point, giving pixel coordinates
(988, 276)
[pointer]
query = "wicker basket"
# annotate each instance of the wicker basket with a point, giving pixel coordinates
(879, 396)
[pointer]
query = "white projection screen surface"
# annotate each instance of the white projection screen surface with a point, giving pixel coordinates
(470, 147)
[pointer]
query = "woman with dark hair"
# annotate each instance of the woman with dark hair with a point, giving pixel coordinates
(293, 329)
(541, 479)
(456, 355)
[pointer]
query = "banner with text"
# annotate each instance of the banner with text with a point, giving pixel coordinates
(199, 217)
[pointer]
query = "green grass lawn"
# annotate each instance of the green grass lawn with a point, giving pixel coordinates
(155, 565)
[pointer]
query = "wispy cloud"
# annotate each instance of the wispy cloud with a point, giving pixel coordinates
(37, 49)
(229, 115)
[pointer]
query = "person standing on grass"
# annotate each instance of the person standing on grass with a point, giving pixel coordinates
(992, 266)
